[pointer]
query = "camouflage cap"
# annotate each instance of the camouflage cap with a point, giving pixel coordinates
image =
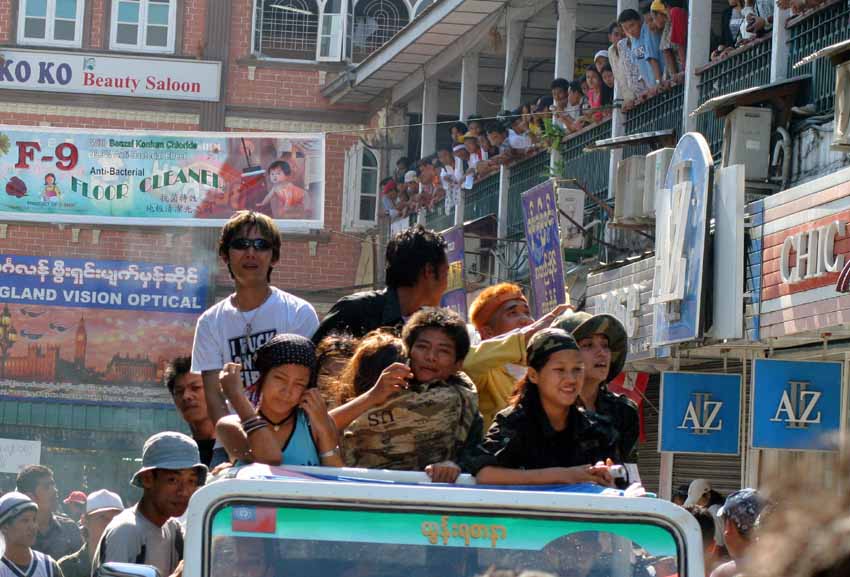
(743, 508)
(582, 325)
(546, 343)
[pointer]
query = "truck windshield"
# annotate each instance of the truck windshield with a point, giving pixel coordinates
(253, 540)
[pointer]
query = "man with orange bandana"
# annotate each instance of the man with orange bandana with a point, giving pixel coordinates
(502, 317)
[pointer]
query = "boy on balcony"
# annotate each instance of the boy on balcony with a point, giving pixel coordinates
(645, 47)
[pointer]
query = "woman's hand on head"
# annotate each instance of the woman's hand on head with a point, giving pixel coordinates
(323, 425)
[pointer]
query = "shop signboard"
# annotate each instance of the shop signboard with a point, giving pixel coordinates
(700, 413)
(95, 331)
(683, 210)
(624, 292)
(796, 404)
(190, 179)
(111, 75)
(455, 296)
(15, 454)
(805, 269)
(546, 264)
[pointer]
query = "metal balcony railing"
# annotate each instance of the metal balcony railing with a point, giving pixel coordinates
(525, 174)
(438, 219)
(661, 112)
(483, 199)
(746, 67)
(589, 169)
(809, 33)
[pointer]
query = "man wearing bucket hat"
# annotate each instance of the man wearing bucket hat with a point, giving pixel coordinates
(149, 532)
(19, 527)
(101, 507)
(603, 343)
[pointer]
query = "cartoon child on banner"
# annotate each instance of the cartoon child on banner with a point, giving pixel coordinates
(51, 192)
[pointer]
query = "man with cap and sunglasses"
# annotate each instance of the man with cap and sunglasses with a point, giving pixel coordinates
(149, 533)
(604, 344)
(739, 514)
(101, 507)
(19, 527)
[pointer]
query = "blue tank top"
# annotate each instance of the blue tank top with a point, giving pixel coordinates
(300, 448)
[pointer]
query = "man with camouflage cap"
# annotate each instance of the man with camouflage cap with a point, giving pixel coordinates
(739, 514)
(604, 344)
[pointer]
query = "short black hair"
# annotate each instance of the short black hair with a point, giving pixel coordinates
(444, 148)
(386, 180)
(176, 368)
(628, 15)
(497, 127)
(30, 476)
(403, 160)
(612, 26)
(561, 83)
(410, 251)
(474, 118)
(460, 126)
(607, 68)
(440, 318)
(281, 164)
(575, 86)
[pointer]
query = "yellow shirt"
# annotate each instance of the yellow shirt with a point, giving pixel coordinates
(485, 365)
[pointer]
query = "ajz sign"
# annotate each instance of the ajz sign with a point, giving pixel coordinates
(700, 413)
(796, 404)
(681, 238)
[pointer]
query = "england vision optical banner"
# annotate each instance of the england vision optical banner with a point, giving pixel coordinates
(796, 404)
(154, 178)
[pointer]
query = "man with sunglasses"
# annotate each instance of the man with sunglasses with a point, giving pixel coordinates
(231, 330)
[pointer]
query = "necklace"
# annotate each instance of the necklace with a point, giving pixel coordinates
(249, 322)
(279, 424)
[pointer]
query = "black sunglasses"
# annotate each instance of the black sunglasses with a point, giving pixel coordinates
(259, 244)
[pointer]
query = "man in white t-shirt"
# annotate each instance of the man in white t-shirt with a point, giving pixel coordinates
(231, 330)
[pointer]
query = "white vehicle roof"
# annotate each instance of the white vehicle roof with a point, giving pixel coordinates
(294, 486)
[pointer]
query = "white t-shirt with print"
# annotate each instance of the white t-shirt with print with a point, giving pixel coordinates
(221, 336)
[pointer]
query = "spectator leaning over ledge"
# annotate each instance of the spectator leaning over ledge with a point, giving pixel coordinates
(416, 276)
(644, 44)
(618, 64)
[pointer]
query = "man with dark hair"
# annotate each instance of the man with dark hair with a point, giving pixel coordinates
(710, 556)
(416, 277)
(432, 420)
(148, 533)
(187, 392)
(739, 514)
(232, 329)
(57, 535)
(402, 165)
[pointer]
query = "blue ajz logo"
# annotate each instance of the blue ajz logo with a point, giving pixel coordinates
(701, 416)
(798, 406)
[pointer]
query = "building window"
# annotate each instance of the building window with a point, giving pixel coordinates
(375, 22)
(144, 25)
(286, 29)
(361, 188)
(51, 22)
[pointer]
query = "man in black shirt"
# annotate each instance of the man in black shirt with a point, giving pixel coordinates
(57, 535)
(187, 391)
(416, 277)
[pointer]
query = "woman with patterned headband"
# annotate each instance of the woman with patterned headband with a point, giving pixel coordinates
(290, 425)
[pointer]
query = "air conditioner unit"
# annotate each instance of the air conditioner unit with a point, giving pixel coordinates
(571, 202)
(841, 135)
(472, 259)
(655, 173)
(746, 140)
(628, 193)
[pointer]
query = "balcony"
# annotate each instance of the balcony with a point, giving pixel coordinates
(524, 175)
(483, 199)
(589, 169)
(810, 32)
(746, 67)
(438, 219)
(661, 112)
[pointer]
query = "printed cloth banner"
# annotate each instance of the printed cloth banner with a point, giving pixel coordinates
(540, 211)
(796, 404)
(455, 297)
(95, 331)
(182, 179)
(700, 413)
